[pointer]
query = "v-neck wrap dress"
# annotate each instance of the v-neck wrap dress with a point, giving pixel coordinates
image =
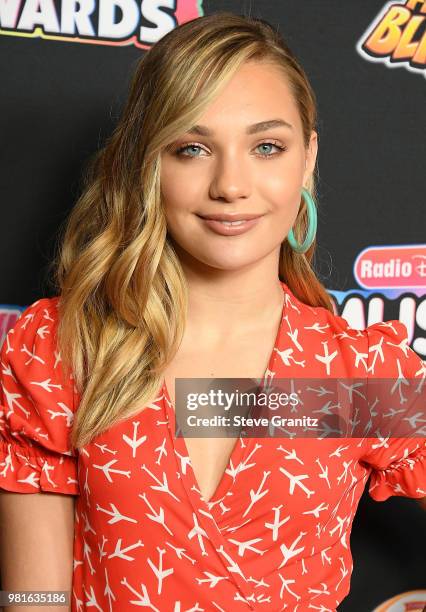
(275, 534)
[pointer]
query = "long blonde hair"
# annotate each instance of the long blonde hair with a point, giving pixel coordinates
(123, 294)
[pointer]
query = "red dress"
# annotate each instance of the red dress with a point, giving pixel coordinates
(275, 534)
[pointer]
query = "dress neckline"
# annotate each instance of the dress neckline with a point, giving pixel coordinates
(241, 443)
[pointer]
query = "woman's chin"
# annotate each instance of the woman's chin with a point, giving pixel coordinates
(220, 261)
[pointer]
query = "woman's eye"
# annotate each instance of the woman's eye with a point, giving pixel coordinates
(270, 144)
(185, 148)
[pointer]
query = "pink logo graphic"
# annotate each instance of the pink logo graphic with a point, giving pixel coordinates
(391, 267)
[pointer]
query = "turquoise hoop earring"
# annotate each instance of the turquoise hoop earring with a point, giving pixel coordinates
(312, 226)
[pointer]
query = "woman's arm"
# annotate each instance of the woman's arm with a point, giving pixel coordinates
(36, 545)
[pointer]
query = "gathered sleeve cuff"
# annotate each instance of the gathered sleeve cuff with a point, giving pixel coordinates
(404, 476)
(22, 472)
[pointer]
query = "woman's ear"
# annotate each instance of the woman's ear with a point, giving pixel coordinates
(311, 156)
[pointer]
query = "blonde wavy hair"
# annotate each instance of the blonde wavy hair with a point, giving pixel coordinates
(123, 293)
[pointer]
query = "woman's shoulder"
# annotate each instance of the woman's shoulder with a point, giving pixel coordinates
(379, 349)
(30, 345)
(38, 319)
(326, 321)
(43, 308)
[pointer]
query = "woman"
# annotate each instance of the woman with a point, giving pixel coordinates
(220, 121)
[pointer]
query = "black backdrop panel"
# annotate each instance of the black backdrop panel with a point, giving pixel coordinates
(62, 90)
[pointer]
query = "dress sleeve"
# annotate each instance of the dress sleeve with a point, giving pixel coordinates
(398, 463)
(37, 407)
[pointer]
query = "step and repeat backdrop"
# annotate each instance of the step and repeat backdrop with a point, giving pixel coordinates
(65, 67)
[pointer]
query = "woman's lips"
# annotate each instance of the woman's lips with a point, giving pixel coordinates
(225, 229)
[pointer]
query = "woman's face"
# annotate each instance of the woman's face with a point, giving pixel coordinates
(232, 171)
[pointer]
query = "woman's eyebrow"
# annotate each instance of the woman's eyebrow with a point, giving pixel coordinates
(202, 130)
